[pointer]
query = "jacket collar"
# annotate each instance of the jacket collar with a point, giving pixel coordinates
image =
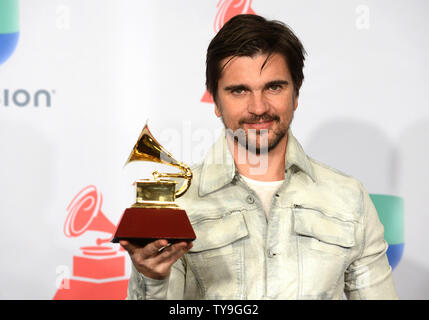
(219, 169)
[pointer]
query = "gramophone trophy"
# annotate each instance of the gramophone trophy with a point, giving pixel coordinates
(155, 215)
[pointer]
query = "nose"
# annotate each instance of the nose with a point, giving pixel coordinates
(257, 104)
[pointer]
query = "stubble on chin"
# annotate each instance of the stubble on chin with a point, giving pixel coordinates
(257, 141)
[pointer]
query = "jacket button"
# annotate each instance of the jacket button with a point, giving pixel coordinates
(250, 199)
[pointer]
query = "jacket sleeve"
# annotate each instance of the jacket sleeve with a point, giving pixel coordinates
(370, 275)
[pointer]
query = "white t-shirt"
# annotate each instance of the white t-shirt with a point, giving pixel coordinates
(265, 191)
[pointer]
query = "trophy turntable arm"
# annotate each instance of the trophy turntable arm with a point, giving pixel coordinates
(187, 175)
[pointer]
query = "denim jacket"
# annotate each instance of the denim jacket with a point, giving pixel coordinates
(323, 238)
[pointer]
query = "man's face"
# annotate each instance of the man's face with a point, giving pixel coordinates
(260, 102)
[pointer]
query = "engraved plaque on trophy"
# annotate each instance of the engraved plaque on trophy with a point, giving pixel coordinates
(155, 215)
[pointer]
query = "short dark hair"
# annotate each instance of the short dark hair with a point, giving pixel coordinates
(248, 35)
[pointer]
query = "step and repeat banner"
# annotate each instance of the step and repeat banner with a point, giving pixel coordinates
(79, 79)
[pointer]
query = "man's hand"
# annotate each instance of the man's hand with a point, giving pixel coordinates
(156, 258)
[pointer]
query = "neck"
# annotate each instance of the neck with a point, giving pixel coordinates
(262, 167)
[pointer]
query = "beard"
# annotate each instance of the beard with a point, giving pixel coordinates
(257, 140)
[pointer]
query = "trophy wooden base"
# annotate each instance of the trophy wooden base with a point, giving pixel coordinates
(144, 225)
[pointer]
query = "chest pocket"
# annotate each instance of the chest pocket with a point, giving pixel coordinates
(330, 230)
(217, 257)
(324, 248)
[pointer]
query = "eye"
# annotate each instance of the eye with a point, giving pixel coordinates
(275, 87)
(238, 91)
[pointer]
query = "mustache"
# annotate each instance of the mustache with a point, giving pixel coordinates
(259, 118)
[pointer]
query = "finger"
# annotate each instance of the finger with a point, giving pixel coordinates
(152, 249)
(172, 253)
(176, 255)
(125, 244)
(130, 247)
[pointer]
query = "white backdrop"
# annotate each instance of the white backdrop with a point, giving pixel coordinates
(109, 65)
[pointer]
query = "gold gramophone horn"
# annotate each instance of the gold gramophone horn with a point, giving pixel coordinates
(148, 149)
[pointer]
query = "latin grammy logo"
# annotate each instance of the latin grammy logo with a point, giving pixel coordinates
(84, 214)
(99, 270)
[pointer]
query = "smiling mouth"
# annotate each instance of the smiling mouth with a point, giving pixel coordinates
(259, 125)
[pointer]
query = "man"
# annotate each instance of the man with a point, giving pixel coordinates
(291, 228)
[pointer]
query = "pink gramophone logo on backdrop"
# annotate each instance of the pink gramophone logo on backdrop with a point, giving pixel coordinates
(226, 10)
(98, 271)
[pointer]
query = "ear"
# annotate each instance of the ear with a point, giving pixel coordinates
(295, 100)
(217, 111)
(296, 94)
